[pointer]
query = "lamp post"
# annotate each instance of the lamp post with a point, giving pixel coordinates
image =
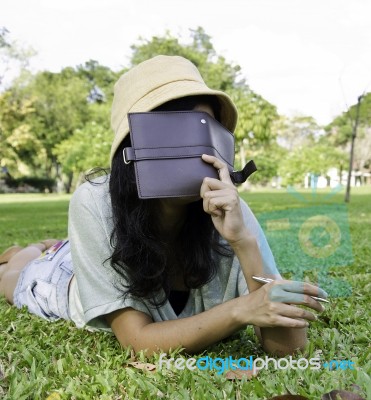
(354, 134)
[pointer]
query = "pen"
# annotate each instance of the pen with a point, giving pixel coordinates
(268, 280)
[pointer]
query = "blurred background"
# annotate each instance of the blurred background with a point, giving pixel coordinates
(299, 72)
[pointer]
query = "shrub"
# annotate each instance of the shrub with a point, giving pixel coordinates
(41, 184)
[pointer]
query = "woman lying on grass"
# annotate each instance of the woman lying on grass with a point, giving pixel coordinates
(168, 272)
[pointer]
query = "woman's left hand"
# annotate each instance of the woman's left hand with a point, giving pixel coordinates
(222, 202)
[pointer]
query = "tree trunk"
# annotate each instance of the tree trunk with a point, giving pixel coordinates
(68, 184)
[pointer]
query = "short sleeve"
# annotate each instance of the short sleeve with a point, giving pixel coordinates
(90, 228)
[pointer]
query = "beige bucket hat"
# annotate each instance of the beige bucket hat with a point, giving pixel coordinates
(155, 82)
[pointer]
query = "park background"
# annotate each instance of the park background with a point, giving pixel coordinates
(300, 76)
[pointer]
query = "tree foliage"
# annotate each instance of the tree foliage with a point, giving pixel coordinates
(50, 122)
(315, 159)
(19, 147)
(60, 106)
(268, 160)
(297, 130)
(54, 124)
(341, 129)
(216, 71)
(90, 145)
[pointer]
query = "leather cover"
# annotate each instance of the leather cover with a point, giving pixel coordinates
(167, 148)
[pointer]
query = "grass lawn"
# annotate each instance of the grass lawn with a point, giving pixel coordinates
(40, 360)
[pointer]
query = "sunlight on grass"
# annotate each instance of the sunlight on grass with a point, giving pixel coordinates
(31, 198)
(39, 358)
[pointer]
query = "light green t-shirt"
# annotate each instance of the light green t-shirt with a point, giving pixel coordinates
(90, 227)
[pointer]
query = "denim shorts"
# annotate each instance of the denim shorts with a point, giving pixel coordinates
(43, 284)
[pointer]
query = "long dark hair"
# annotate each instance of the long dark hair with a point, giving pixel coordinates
(141, 256)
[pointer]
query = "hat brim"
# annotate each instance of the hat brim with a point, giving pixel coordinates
(176, 90)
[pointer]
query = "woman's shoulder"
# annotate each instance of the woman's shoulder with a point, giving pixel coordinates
(96, 187)
(92, 193)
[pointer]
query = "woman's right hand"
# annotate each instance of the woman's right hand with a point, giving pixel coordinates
(274, 303)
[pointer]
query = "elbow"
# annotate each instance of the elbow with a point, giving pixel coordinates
(147, 347)
(138, 346)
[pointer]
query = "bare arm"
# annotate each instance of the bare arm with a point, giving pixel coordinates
(197, 332)
(278, 339)
(194, 333)
(273, 310)
(264, 307)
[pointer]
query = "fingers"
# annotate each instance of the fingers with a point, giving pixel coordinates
(303, 287)
(297, 313)
(220, 166)
(290, 323)
(224, 181)
(210, 184)
(267, 313)
(222, 202)
(271, 313)
(294, 292)
(290, 316)
(217, 202)
(218, 196)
